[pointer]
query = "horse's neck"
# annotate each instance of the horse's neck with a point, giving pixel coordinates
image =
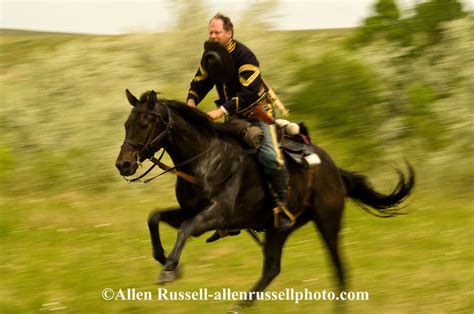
(188, 141)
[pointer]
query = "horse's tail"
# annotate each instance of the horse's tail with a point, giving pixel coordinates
(385, 205)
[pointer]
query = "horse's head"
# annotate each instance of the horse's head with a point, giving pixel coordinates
(146, 127)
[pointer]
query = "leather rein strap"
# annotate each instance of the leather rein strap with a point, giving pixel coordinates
(166, 168)
(149, 149)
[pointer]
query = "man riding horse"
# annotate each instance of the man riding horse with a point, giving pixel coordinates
(214, 171)
(234, 70)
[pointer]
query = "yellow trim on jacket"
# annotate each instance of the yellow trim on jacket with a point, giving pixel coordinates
(201, 77)
(248, 67)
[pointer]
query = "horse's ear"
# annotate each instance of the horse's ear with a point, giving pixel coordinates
(152, 99)
(131, 99)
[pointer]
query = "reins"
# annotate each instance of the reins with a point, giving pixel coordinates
(166, 168)
(150, 147)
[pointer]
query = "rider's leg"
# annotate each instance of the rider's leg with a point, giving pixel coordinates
(270, 158)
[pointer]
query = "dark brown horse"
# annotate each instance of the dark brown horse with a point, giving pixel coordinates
(231, 192)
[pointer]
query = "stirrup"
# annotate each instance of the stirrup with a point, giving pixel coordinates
(276, 211)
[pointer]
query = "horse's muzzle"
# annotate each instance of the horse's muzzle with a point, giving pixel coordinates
(127, 162)
(126, 168)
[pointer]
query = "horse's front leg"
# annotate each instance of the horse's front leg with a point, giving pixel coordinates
(173, 217)
(206, 220)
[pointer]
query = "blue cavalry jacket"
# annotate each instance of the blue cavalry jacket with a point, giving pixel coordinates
(242, 92)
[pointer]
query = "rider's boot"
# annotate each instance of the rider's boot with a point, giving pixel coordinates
(221, 234)
(284, 218)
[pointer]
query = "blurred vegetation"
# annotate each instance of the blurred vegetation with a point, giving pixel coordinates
(397, 87)
(419, 27)
(374, 103)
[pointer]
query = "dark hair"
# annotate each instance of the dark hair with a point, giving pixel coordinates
(228, 26)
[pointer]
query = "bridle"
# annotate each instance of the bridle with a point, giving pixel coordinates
(151, 146)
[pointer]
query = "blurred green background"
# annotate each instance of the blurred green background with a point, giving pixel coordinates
(399, 86)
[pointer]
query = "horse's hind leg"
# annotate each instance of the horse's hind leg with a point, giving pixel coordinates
(174, 218)
(328, 221)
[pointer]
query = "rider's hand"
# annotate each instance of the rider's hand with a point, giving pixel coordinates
(191, 103)
(216, 114)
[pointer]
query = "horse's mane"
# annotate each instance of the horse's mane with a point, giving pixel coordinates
(191, 115)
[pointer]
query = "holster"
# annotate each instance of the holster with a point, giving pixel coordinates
(258, 113)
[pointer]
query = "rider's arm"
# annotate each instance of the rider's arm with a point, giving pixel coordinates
(250, 90)
(199, 87)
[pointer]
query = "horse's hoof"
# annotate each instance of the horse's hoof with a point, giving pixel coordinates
(234, 309)
(168, 276)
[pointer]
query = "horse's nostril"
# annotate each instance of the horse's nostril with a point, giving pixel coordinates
(123, 165)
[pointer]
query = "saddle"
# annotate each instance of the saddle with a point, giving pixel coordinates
(296, 144)
(293, 138)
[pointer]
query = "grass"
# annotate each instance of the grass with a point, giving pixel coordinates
(60, 251)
